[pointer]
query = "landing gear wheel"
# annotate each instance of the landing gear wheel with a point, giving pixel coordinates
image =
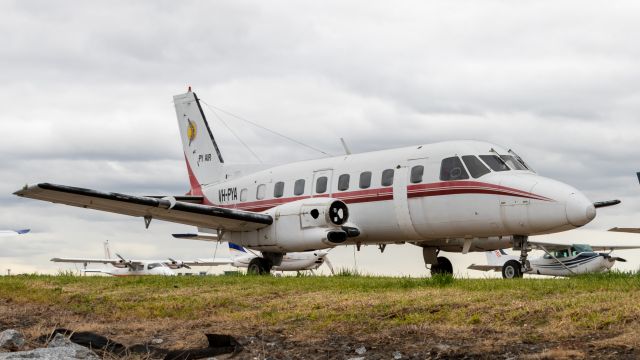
(259, 266)
(442, 267)
(512, 269)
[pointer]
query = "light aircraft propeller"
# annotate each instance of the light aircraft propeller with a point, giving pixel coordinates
(329, 265)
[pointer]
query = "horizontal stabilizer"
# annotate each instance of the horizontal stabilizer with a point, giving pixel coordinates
(485, 267)
(167, 209)
(626, 230)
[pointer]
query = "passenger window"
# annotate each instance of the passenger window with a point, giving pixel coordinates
(321, 185)
(387, 177)
(452, 169)
(243, 194)
(495, 162)
(475, 166)
(365, 180)
(343, 182)
(298, 187)
(278, 189)
(416, 174)
(262, 190)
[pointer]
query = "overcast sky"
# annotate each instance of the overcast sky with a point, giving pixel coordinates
(86, 100)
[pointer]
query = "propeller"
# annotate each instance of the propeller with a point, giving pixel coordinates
(329, 265)
(179, 264)
(599, 204)
(612, 258)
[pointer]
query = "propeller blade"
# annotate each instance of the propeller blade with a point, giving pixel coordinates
(619, 259)
(326, 261)
(599, 204)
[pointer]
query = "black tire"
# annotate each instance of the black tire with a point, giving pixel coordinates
(258, 266)
(442, 267)
(512, 269)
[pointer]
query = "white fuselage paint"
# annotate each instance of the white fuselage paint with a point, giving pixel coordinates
(301, 261)
(142, 269)
(430, 213)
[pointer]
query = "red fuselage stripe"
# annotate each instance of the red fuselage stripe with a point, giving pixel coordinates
(386, 193)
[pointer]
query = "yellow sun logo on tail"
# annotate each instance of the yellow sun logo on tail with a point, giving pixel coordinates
(191, 131)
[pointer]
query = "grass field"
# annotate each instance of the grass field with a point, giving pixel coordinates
(328, 317)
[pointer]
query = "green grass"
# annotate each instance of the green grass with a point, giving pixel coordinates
(348, 302)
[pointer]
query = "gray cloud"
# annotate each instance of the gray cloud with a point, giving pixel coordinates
(86, 97)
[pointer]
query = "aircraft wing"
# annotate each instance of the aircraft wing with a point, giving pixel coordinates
(113, 262)
(198, 236)
(549, 246)
(626, 230)
(485, 267)
(167, 209)
(212, 262)
(560, 246)
(4, 233)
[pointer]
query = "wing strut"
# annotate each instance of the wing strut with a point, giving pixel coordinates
(556, 259)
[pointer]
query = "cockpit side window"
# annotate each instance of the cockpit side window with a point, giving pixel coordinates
(452, 169)
(495, 162)
(475, 166)
(513, 163)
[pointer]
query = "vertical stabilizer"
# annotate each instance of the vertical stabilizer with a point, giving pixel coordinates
(497, 257)
(203, 157)
(236, 250)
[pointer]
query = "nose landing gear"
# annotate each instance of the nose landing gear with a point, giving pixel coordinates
(513, 269)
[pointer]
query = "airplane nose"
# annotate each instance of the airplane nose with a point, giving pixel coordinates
(579, 209)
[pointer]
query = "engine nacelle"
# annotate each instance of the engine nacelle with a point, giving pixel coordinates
(308, 224)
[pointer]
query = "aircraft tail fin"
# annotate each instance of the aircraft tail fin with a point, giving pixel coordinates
(496, 257)
(201, 152)
(236, 250)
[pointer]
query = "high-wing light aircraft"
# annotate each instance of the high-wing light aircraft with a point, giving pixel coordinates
(456, 196)
(7, 233)
(558, 260)
(124, 267)
(242, 258)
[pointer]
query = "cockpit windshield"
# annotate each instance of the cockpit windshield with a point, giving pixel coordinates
(495, 162)
(154, 265)
(580, 248)
(513, 163)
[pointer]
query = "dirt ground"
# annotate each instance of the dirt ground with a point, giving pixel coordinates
(425, 341)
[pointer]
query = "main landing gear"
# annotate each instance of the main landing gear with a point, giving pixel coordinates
(259, 266)
(439, 264)
(513, 269)
(262, 265)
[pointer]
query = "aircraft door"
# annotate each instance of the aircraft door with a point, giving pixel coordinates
(401, 182)
(322, 183)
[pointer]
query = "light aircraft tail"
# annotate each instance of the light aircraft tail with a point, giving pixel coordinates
(236, 250)
(496, 257)
(201, 152)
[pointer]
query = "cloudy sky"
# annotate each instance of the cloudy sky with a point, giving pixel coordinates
(86, 90)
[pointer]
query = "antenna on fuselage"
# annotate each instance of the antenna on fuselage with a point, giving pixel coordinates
(347, 151)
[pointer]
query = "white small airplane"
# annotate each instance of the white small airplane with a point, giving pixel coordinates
(7, 233)
(242, 258)
(456, 196)
(558, 260)
(124, 267)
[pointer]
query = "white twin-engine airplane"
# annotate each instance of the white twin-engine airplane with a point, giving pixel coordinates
(558, 260)
(124, 267)
(242, 258)
(456, 196)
